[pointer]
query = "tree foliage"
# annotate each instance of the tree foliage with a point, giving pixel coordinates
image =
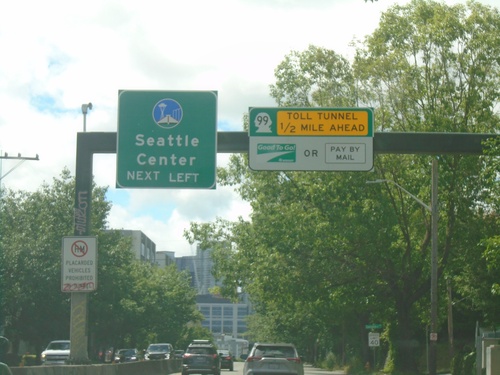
(325, 253)
(135, 302)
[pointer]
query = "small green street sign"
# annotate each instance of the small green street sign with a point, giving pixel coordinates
(373, 326)
(167, 139)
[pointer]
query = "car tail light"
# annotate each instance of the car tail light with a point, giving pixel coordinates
(186, 355)
(253, 359)
(228, 357)
(214, 356)
(294, 359)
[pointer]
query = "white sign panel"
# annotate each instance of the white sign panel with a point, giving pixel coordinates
(79, 264)
(311, 153)
(374, 339)
(311, 139)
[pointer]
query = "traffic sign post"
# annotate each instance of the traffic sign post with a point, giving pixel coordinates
(167, 139)
(374, 342)
(319, 139)
(79, 264)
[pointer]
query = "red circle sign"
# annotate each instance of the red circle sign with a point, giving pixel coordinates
(79, 249)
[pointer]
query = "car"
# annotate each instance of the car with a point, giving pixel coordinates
(56, 353)
(226, 359)
(159, 351)
(270, 358)
(126, 355)
(179, 353)
(201, 358)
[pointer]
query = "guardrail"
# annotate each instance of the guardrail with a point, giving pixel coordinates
(156, 367)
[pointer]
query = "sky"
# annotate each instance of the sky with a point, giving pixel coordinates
(57, 55)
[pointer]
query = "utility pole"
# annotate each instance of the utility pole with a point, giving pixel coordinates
(433, 209)
(434, 270)
(21, 159)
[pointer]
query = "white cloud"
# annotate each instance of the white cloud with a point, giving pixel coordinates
(57, 55)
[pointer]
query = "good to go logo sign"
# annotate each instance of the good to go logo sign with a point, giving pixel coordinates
(79, 264)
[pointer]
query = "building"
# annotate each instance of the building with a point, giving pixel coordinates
(165, 258)
(199, 266)
(142, 246)
(224, 318)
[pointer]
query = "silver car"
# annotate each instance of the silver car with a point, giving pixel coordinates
(281, 359)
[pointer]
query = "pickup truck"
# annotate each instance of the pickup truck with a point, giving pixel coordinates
(56, 353)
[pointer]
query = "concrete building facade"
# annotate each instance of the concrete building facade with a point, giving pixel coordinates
(143, 247)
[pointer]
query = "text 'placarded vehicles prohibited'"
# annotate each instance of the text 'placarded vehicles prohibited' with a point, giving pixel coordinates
(79, 264)
(317, 139)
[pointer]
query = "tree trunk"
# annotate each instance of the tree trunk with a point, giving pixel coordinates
(405, 349)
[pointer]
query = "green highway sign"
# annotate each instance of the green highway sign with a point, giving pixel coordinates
(167, 139)
(311, 139)
(373, 326)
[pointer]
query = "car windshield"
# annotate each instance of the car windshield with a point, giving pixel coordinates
(58, 346)
(158, 348)
(275, 351)
(127, 352)
(200, 350)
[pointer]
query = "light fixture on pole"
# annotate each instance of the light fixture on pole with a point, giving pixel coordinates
(433, 209)
(85, 108)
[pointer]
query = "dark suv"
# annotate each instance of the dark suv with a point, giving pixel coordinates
(201, 358)
(159, 351)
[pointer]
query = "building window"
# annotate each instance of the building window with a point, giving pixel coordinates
(216, 326)
(228, 326)
(205, 310)
(216, 311)
(242, 311)
(228, 312)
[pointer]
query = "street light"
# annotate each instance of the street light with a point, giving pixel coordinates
(85, 109)
(433, 209)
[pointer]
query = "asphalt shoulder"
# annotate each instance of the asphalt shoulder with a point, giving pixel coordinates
(310, 370)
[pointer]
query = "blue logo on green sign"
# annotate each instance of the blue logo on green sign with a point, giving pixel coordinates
(167, 113)
(277, 152)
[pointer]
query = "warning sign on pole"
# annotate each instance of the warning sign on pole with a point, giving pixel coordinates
(79, 264)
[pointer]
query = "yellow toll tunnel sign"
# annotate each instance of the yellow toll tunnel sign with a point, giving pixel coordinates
(323, 122)
(311, 139)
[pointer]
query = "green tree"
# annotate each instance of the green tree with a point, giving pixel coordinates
(342, 253)
(32, 228)
(316, 77)
(433, 67)
(134, 301)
